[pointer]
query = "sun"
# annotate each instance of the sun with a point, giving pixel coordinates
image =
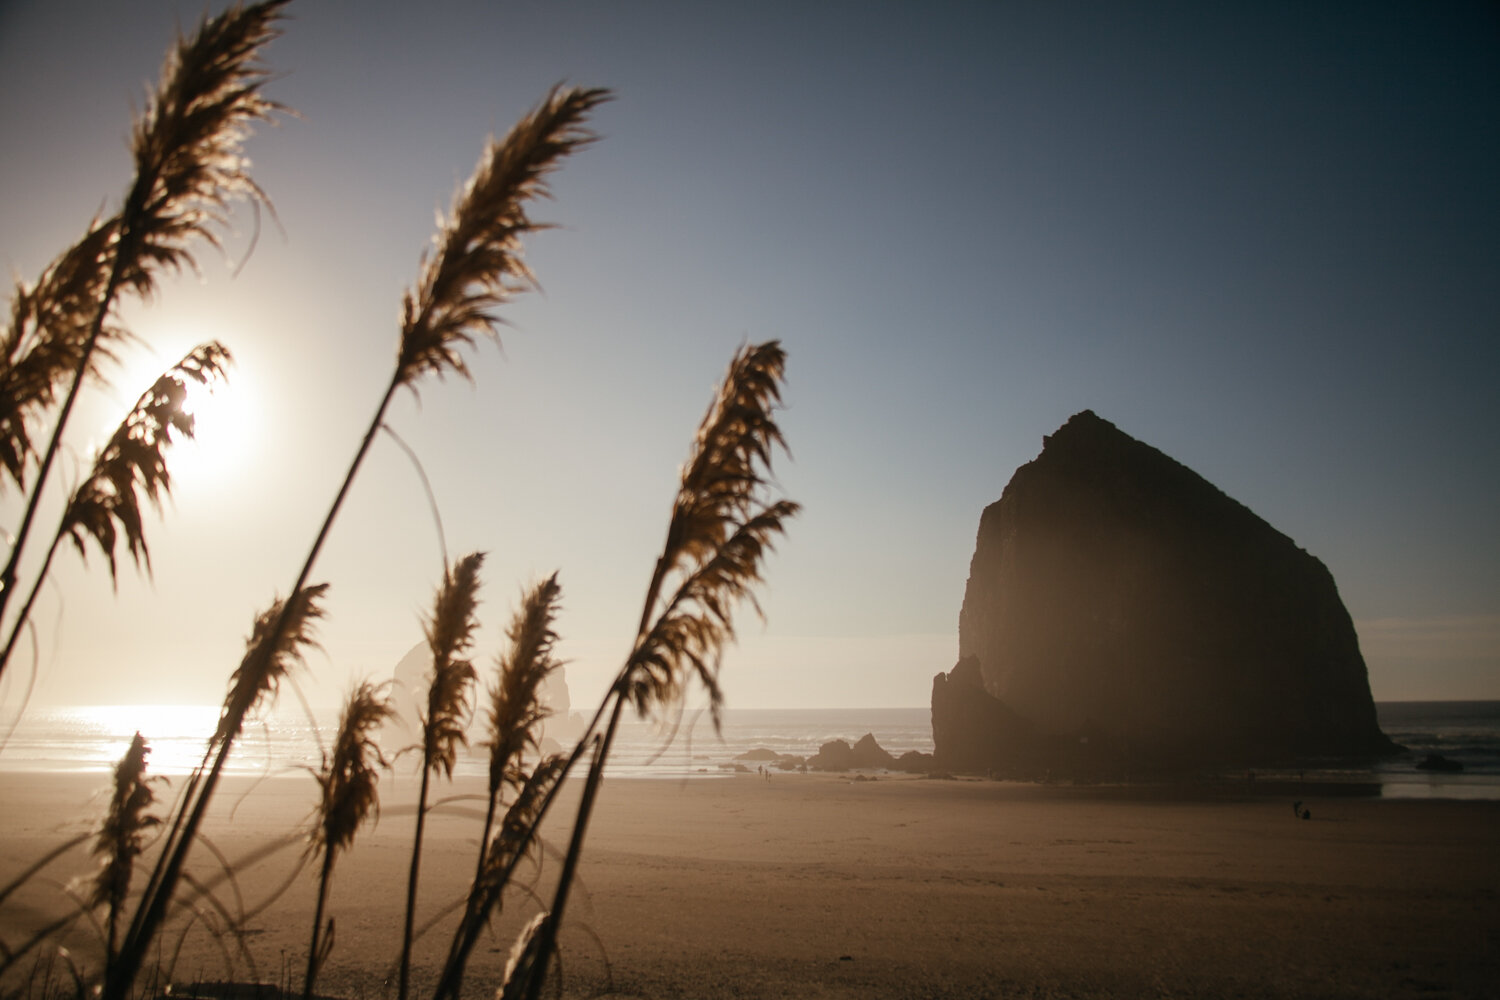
(225, 415)
(224, 432)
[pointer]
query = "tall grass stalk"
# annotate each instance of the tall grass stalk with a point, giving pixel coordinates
(450, 637)
(276, 645)
(132, 466)
(516, 712)
(722, 525)
(515, 716)
(121, 839)
(189, 166)
(348, 783)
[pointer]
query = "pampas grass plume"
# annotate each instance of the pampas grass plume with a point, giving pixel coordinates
(475, 264)
(351, 773)
(276, 644)
(188, 146)
(450, 636)
(721, 528)
(515, 710)
(348, 782)
(122, 835)
(133, 464)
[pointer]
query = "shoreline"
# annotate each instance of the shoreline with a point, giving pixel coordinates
(1324, 784)
(823, 885)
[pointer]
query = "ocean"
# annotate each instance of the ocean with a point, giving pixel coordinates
(92, 739)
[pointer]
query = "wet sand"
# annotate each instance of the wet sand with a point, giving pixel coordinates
(819, 886)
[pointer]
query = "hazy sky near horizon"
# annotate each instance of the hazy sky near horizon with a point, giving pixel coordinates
(1263, 238)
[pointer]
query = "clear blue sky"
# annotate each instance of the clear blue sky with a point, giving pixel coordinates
(1264, 238)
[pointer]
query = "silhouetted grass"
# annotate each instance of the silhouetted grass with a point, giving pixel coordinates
(188, 170)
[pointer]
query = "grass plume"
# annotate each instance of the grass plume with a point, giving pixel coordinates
(515, 708)
(133, 465)
(189, 144)
(270, 654)
(348, 783)
(722, 525)
(450, 636)
(121, 838)
(49, 326)
(476, 263)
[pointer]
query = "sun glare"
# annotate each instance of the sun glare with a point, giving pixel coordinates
(224, 423)
(223, 431)
(175, 733)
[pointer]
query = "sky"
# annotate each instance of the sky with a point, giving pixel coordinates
(1263, 238)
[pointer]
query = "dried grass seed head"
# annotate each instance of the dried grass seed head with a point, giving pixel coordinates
(476, 263)
(351, 774)
(189, 143)
(450, 637)
(722, 527)
(516, 710)
(122, 836)
(133, 464)
(277, 643)
(50, 323)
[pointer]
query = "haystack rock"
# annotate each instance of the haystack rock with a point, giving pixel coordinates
(1122, 612)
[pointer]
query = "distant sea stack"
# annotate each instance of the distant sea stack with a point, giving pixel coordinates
(1122, 612)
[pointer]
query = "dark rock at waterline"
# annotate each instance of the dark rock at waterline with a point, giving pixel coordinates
(1123, 613)
(835, 755)
(838, 755)
(780, 761)
(914, 761)
(1437, 762)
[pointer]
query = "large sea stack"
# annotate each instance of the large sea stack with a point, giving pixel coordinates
(1123, 613)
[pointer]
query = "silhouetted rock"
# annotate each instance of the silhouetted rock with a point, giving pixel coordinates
(781, 761)
(868, 753)
(1123, 613)
(835, 755)
(838, 755)
(1437, 762)
(915, 762)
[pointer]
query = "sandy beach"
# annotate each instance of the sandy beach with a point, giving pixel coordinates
(823, 886)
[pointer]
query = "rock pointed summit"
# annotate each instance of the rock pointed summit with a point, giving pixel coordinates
(1119, 602)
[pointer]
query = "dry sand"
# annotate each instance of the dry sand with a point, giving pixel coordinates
(819, 886)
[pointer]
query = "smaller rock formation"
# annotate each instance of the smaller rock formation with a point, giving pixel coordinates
(838, 755)
(780, 761)
(915, 762)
